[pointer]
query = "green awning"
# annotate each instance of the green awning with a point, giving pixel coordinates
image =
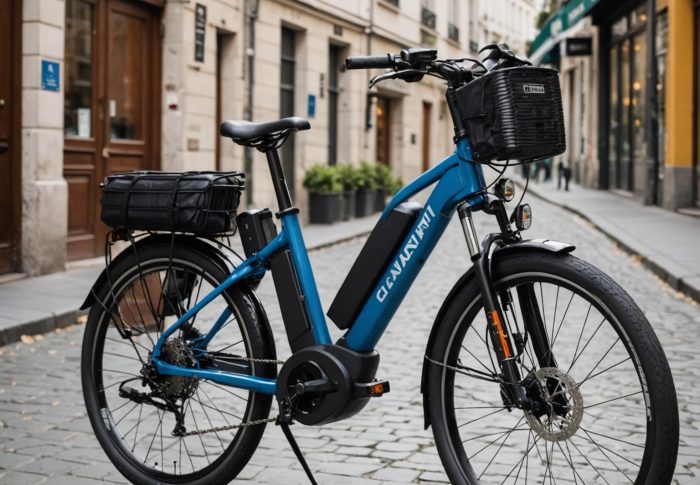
(564, 18)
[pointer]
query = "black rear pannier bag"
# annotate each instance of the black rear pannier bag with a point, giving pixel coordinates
(196, 202)
(514, 114)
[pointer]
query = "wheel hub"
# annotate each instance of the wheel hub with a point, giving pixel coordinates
(176, 352)
(561, 405)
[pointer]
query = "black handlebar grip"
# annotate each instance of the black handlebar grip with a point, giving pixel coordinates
(370, 62)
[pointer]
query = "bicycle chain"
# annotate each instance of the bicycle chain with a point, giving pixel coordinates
(242, 425)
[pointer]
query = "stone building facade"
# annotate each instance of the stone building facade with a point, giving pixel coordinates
(630, 77)
(100, 86)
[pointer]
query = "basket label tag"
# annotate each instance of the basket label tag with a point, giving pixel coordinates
(533, 88)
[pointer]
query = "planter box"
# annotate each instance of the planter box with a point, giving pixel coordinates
(364, 202)
(325, 207)
(349, 198)
(380, 200)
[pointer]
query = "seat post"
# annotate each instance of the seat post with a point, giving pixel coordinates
(278, 181)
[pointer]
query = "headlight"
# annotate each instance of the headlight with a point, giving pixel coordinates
(523, 217)
(505, 189)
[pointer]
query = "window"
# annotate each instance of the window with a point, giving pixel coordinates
(427, 16)
(453, 20)
(287, 78)
(334, 63)
(78, 62)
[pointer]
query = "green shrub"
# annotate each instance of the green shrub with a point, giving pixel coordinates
(321, 178)
(396, 185)
(366, 178)
(349, 176)
(383, 177)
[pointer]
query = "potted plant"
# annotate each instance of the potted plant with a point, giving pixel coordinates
(384, 182)
(365, 194)
(396, 185)
(348, 178)
(325, 194)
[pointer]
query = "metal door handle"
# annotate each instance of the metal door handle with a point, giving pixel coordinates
(2, 103)
(105, 152)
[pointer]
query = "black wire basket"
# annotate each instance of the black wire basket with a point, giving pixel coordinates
(193, 202)
(514, 114)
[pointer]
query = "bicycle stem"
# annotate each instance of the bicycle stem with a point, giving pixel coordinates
(500, 337)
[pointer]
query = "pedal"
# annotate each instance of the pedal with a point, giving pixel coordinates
(370, 389)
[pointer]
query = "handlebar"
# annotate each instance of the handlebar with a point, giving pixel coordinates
(412, 64)
(370, 62)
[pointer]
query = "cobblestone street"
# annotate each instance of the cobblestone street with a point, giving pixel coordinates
(45, 436)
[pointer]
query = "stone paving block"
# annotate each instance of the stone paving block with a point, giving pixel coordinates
(20, 478)
(48, 466)
(347, 469)
(434, 477)
(400, 475)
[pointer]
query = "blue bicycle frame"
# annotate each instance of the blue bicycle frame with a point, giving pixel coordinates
(458, 180)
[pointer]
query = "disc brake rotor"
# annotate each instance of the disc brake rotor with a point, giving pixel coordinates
(557, 424)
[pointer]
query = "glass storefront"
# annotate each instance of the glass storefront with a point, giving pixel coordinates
(627, 88)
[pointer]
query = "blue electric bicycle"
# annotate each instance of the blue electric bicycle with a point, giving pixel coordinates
(539, 367)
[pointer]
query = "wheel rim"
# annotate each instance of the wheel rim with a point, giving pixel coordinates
(609, 444)
(141, 432)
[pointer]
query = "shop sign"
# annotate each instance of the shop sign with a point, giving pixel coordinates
(579, 46)
(312, 106)
(200, 29)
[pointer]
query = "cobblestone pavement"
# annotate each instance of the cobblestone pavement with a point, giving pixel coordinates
(45, 436)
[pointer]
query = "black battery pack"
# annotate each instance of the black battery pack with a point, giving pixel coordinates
(382, 243)
(256, 228)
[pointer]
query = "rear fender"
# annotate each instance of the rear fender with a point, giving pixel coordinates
(531, 245)
(101, 285)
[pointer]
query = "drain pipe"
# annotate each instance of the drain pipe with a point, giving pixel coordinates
(251, 15)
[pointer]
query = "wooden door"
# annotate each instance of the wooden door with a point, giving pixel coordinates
(696, 121)
(9, 136)
(383, 147)
(426, 135)
(112, 111)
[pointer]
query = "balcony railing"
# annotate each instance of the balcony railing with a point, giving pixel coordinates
(427, 18)
(453, 32)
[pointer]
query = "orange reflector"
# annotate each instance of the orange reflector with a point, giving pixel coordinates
(499, 329)
(377, 390)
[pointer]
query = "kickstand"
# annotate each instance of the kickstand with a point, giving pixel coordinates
(283, 422)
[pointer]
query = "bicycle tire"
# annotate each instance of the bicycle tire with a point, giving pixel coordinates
(634, 331)
(125, 271)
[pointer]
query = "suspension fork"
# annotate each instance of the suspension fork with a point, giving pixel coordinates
(534, 325)
(498, 333)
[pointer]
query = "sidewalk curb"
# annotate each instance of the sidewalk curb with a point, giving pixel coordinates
(689, 286)
(39, 326)
(53, 320)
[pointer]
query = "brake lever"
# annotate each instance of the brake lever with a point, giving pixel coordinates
(408, 75)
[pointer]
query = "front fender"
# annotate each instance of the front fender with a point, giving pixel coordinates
(529, 245)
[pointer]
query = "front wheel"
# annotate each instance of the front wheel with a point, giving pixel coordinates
(606, 411)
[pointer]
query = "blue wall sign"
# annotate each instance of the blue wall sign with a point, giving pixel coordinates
(312, 105)
(50, 76)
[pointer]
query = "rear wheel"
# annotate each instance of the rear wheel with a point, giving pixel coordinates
(133, 416)
(608, 409)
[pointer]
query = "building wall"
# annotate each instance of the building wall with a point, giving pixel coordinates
(188, 115)
(507, 21)
(44, 191)
(581, 108)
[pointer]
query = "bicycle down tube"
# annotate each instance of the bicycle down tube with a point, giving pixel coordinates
(457, 179)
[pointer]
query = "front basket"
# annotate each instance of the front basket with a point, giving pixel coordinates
(514, 114)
